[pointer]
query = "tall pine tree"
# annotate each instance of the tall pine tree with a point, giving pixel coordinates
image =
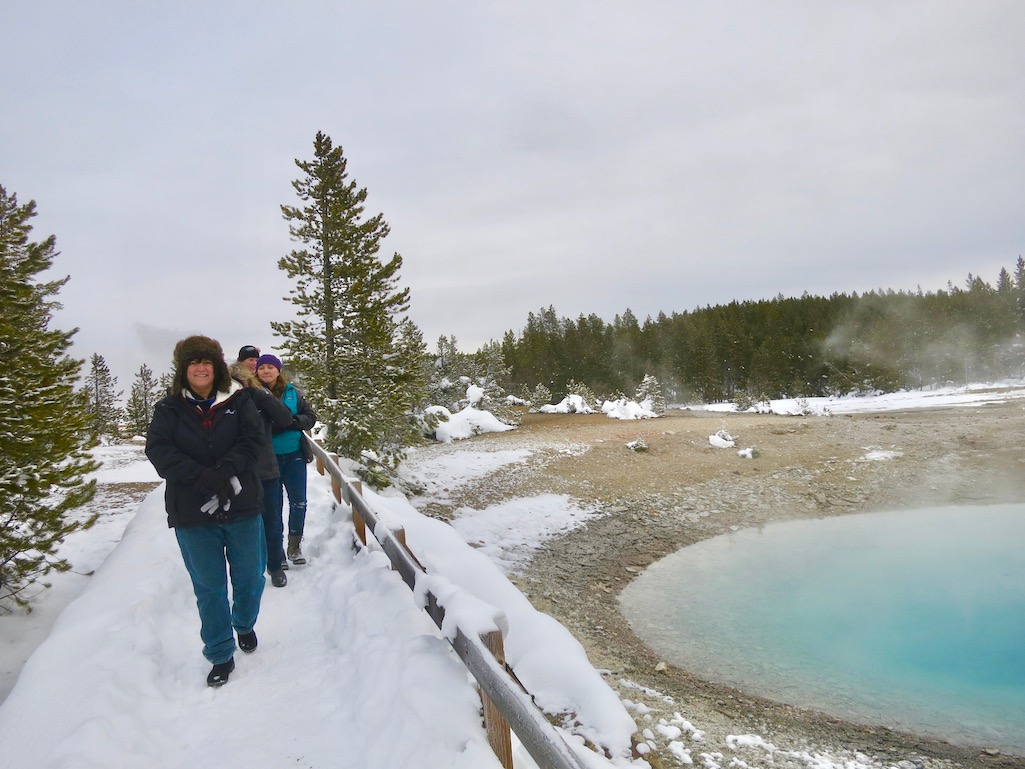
(103, 400)
(347, 340)
(141, 400)
(44, 422)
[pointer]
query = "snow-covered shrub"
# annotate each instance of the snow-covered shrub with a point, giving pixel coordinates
(541, 396)
(722, 440)
(650, 390)
(624, 409)
(571, 404)
(460, 380)
(576, 388)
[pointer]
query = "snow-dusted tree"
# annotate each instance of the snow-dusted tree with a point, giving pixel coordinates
(347, 341)
(44, 422)
(99, 389)
(485, 370)
(586, 395)
(541, 396)
(447, 384)
(141, 400)
(488, 371)
(650, 390)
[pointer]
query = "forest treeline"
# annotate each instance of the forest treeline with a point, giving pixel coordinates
(783, 347)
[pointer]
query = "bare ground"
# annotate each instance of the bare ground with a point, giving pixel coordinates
(682, 490)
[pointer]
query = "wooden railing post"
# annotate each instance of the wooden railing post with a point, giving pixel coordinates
(495, 724)
(336, 483)
(320, 462)
(357, 517)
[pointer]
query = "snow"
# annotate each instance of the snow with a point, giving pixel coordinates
(722, 440)
(968, 395)
(349, 671)
(571, 404)
(625, 409)
(466, 423)
(618, 409)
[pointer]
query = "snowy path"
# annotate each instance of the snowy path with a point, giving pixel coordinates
(348, 673)
(334, 661)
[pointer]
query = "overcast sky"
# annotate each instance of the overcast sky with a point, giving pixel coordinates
(593, 155)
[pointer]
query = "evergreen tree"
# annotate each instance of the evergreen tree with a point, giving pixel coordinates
(99, 390)
(540, 396)
(346, 340)
(165, 383)
(141, 400)
(454, 372)
(44, 422)
(447, 386)
(650, 390)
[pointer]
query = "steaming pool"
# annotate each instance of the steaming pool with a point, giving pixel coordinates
(913, 620)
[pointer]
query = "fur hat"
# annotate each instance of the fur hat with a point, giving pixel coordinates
(274, 360)
(195, 348)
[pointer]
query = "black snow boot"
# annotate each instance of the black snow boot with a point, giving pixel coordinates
(247, 641)
(219, 673)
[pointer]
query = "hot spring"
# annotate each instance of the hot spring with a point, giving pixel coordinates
(913, 620)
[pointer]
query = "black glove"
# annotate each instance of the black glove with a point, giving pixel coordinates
(225, 494)
(210, 480)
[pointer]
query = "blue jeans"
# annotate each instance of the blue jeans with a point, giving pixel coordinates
(272, 526)
(207, 550)
(293, 478)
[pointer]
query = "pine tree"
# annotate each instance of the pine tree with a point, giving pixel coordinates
(650, 390)
(454, 372)
(347, 341)
(44, 422)
(103, 400)
(141, 400)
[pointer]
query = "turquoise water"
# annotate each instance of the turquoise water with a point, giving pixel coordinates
(913, 619)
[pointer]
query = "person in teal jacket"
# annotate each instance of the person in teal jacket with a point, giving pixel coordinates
(290, 450)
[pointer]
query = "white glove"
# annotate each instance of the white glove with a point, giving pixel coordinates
(211, 507)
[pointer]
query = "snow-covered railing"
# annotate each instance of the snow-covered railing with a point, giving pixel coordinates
(506, 704)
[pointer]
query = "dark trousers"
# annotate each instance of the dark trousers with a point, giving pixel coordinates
(272, 525)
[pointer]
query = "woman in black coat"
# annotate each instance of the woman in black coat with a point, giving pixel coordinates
(205, 440)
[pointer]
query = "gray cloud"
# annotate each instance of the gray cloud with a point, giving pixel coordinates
(656, 156)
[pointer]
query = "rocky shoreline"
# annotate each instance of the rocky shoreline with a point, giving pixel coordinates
(681, 490)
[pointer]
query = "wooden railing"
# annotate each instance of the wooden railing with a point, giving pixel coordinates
(506, 704)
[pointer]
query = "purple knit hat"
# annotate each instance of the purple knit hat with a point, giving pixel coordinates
(274, 360)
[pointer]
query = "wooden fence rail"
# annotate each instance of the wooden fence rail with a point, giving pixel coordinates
(506, 704)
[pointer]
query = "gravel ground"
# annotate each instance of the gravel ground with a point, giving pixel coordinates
(682, 490)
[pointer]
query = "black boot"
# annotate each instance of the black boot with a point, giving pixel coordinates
(219, 673)
(247, 641)
(278, 578)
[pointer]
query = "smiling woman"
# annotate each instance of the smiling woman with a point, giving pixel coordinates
(205, 439)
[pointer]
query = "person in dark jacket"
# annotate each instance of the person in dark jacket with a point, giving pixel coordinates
(290, 450)
(247, 356)
(275, 416)
(205, 440)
